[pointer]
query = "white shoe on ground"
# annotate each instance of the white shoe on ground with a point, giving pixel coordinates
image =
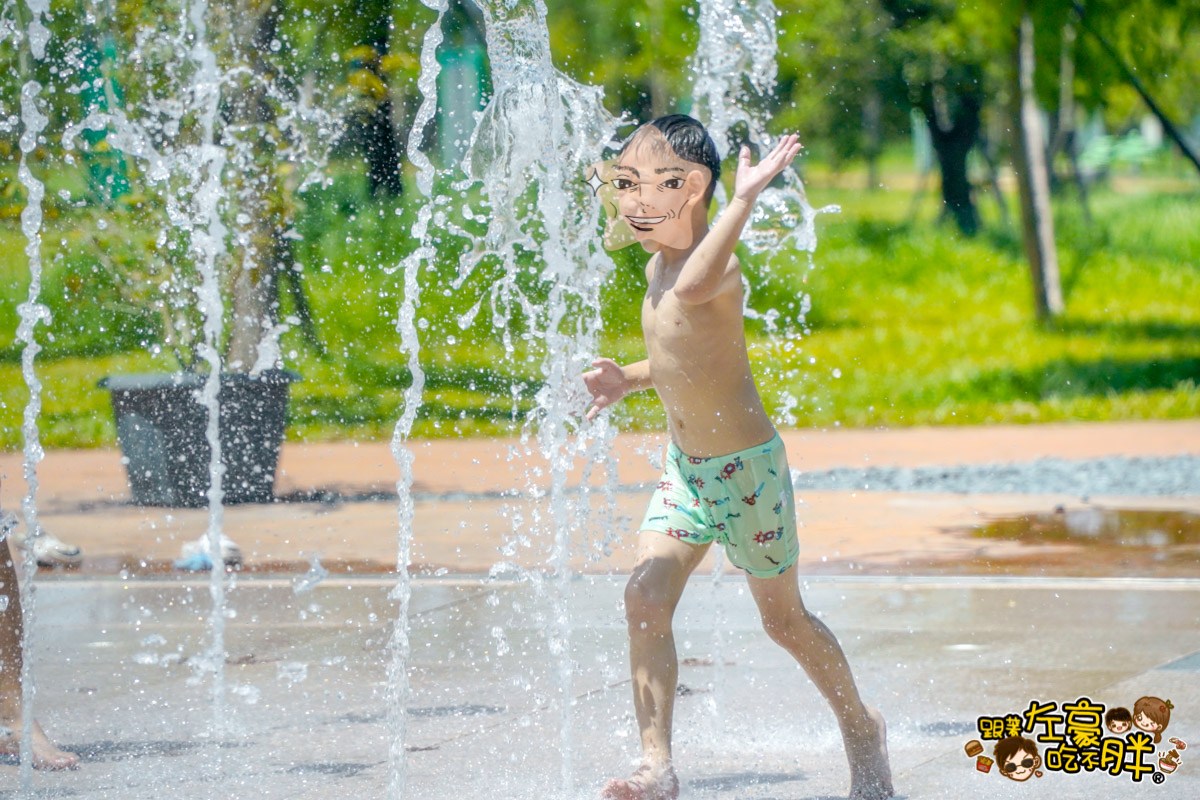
(48, 549)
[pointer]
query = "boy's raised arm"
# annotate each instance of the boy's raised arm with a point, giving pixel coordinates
(704, 272)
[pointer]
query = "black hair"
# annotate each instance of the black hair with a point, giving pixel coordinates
(690, 141)
(1118, 714)
(1009, 746)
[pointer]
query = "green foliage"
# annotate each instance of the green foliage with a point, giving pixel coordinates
(1159, 39)
(639, 52)
(922, 326)
(910, 324)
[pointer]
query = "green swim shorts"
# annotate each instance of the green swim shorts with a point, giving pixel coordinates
(743, 500)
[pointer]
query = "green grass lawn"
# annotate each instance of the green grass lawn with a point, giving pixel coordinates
(910, 323)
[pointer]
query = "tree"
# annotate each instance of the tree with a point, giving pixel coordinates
(943, 61)
(372, 120)
(1029, 162)
(1176, 18)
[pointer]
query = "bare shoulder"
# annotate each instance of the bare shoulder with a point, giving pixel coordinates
(650, 264)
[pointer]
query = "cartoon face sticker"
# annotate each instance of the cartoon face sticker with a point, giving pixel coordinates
(1152, 714)
(1017, 758)
(1118, 720)
(650, 196)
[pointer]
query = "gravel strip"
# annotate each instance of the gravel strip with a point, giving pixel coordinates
(1126, 476)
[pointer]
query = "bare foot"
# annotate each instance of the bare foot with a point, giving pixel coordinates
(870, 772)
(646, 783)
(46, 754)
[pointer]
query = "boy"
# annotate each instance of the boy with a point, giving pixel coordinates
(726, 476)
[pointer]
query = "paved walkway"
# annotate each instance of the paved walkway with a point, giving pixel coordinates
(474, 507)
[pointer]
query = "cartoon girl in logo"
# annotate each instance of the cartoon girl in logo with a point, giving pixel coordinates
(1152, 715)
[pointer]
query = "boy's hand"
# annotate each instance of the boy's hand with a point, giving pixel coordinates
(750, 180)
(607, 383)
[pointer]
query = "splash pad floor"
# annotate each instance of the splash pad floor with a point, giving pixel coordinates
(306, 685)
(941, 626)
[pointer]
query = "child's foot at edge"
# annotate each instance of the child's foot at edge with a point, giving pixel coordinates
(647, 783)
(46, 754)
(870, 770)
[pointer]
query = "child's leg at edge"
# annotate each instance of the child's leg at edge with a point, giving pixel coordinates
(651, 596)
(45, 754)
(816, 649)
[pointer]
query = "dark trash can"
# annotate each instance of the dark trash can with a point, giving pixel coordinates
(162, 428)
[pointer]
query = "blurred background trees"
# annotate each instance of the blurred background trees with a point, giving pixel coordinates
(853, 77)
(902, 105)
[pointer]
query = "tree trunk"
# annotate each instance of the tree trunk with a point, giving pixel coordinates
(1029, 162)
(262, 219)
(1064, 133)
(954, 131)
(1065, 125)
(381, 144)
(872, 117)
(987, 150)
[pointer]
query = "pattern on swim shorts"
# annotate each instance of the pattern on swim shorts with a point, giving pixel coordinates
(758, 531)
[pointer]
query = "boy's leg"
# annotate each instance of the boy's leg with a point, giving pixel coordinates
(651, 596)
(814, 646)
(45, 754)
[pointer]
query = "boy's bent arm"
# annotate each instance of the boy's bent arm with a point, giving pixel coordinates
(609, 382)
(638, 375)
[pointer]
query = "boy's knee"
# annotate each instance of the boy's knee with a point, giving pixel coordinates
(785, 627)
(647, 607)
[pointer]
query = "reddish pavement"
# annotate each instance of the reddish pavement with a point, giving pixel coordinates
(463, 524)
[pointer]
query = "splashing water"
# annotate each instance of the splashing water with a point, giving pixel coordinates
(734, 71)
(734, 66)
(542, 129)
(734, 76)
(208, 242)
(202, 164)
(32, 313)
(527, 157)
(528, 154)
(400, 646)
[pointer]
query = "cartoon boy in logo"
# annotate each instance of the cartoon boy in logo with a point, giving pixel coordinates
(1017, 758)
(1118, 719)
(1152, 715)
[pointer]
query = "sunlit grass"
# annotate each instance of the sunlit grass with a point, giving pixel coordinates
(911, 324)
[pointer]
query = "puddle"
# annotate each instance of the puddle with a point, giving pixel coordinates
(1077, 542)
(1110, 527)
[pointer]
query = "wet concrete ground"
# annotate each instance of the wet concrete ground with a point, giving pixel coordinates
(306, 686)
(942, 625)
